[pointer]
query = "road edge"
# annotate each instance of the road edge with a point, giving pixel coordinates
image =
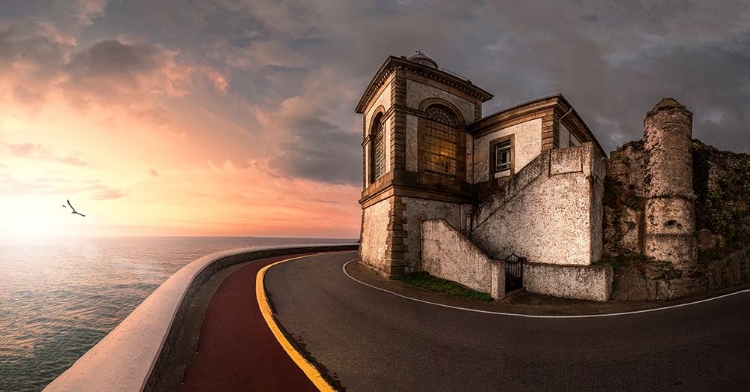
(308, 368)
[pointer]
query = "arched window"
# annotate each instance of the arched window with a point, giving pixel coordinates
(438, 141)
(377, 153)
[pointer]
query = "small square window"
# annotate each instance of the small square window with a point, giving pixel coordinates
(502, 156)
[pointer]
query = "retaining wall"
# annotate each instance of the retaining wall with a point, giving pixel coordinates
(130, 358)
(549, 212)
(448, 254)
(593, 283)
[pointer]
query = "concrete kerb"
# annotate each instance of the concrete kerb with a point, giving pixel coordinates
(130, 356)
(538, 316)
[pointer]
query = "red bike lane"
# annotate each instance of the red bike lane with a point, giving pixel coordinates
(237, 350)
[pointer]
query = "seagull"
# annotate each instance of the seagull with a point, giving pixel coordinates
(74, 210)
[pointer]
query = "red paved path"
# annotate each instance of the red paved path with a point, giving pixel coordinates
(236, 350)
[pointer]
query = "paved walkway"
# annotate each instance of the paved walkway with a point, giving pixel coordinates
(236, 350)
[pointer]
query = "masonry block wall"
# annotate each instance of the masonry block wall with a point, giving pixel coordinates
(448, 254)
(549, 212)
(670, 202)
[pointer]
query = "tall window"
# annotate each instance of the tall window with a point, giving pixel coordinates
(377, 167)
(438, 142)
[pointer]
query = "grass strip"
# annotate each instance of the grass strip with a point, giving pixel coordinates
(426, 281)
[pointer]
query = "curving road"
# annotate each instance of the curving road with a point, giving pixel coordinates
(371, 340)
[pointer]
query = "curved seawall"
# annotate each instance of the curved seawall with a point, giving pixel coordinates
(127, 357)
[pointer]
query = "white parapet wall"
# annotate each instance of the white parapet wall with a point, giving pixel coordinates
(448, 254)
(592, 283)
(129, 357)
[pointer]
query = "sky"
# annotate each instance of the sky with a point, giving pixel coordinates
(236, 117)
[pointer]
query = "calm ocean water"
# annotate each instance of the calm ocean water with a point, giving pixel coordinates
(60, 297)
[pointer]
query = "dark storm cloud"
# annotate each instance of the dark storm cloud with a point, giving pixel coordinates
(119, 73)
(320, 151)
(612, 60)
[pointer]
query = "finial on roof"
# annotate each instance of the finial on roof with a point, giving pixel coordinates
(421, 58)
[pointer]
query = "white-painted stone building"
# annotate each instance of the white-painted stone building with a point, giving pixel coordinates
(454, 193)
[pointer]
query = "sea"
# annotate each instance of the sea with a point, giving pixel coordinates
(59, 297)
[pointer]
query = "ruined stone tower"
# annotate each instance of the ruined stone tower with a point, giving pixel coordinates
(670, 202)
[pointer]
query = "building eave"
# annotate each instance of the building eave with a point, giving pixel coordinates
(393, 63)
(537, 105)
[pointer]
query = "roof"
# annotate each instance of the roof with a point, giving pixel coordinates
(666, 104)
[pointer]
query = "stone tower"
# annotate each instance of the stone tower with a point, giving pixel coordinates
(670, 202)
(414, 150)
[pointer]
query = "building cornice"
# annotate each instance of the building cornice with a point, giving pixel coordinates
(393, 63)
(556, 102)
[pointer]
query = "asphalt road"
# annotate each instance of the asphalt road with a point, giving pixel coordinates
(370, 340)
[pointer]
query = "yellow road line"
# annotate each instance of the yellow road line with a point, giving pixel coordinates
(265, 308)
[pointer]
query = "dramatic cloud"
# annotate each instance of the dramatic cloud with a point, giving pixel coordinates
(263, 91)
(320, 151)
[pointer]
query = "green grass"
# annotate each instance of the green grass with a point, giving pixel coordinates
(426, 281)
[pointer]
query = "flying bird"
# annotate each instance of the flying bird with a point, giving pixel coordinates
(74, 210)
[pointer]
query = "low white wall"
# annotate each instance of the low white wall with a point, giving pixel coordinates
(448, 254)
(592, 283)
(126, 358)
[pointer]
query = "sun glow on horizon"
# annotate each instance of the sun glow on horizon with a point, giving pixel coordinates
(30, 219)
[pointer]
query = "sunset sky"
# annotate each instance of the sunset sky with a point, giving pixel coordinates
(222, 117)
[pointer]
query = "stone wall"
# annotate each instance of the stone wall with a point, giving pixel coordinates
(372, 250)
(670, 203)
(624, 200)
(660, 281)
(730, 271)
(418, 210)
(549, 212)
(592, 283)
(721, 183)
(448, 254)
(722, 187)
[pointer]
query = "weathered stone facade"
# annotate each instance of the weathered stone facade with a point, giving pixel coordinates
(425, 111)
(448, 254)
(532, 180)
(443, 161)
(702, 217)
(670, 202)
(557, 197)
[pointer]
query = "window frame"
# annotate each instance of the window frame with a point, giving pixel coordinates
(377, 134)
(495, 145)
(429, 136)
